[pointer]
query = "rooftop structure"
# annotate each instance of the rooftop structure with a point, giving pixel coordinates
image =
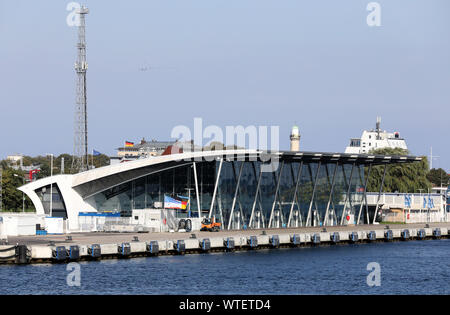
(152, 148)
(375, 139)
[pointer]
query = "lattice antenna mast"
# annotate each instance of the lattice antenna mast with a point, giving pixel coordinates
(80, 160)
(378, 129)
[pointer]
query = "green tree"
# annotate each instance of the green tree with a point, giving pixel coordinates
(403, 178)
(99, 160)
(11, 196)
(438, 177)
(44, 163)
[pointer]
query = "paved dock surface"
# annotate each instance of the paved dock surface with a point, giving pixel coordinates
(108, 238)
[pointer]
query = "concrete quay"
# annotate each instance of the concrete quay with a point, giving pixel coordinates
(94, 246)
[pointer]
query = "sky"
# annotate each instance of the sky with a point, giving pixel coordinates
(157, 64)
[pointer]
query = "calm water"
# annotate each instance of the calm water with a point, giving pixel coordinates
(415, 267)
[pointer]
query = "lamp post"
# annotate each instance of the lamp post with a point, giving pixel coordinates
(421, 200)
(23, 195)
(51, 184)
(189, 202)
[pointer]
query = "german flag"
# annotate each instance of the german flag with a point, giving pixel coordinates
(129, 144)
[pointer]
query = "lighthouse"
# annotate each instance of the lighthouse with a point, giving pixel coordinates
(295, 139)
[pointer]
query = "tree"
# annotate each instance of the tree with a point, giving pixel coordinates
(11, 196)
(100, 160)
(403, 178)
(438, 177)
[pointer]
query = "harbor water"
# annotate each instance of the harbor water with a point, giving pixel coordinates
(413, 267)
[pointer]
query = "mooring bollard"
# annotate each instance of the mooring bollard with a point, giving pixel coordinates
(74, 252)
(275, 241)
(180, 246)
(125, 249)
(95, 251)
(421, 234)
(229, 243)
(388, 235)
(354, 237)
(253, 241)
(405, 234)
(296, 239)
(437, 233)
(60, 253)
(206, 244)
(316, 238)
(335, 237)
(153, 247)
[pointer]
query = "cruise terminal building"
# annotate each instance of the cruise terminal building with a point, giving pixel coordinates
(242, 189)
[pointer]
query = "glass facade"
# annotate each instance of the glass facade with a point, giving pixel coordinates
(296, 193)
(58, 208)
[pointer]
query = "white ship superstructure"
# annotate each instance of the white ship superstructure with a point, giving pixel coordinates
(375, 139)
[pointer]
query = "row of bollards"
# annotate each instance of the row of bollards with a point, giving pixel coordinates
(21, 254)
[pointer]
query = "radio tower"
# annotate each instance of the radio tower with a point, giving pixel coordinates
(80, 159)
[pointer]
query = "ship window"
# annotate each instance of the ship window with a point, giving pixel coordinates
(355, 142)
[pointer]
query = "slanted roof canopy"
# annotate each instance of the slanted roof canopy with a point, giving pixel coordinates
(97, 180)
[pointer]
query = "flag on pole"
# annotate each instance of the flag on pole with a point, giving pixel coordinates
(95, 153)
(184, 202)
(172, 203)
(129, 144)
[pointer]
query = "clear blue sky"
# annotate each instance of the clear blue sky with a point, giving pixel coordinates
(315, 63)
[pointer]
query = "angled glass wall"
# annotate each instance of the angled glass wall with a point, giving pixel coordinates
(297, 193)
(58, 207)
(285, 196)
(322, 193)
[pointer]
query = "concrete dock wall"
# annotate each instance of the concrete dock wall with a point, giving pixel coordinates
(94, 247)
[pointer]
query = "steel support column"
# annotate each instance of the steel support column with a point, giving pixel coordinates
(235, 195)
(256, 194)
(295, 199)
(325, 221)
(379, 194)
(347, 196)
(196, 189)
(276, 193)
(219, 201)
(215, 187)
(308, 219)
(365, 194)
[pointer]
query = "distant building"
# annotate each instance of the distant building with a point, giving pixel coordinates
(15, 158)
(131, 151)
(15, 161)
(143, 149)
(375, 139)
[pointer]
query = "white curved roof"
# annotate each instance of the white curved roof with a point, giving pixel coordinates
(87, 176)
(88, 182)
